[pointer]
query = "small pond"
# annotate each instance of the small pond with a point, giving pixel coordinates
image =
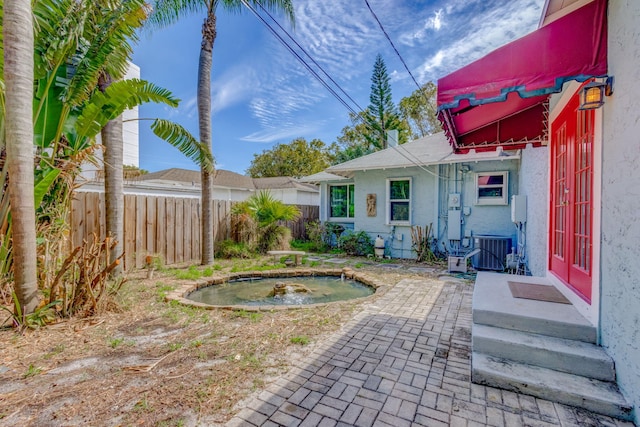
(281, 291)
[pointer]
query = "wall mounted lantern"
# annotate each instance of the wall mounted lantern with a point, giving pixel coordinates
(592, 94)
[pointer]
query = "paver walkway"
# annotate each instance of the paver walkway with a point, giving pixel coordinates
(403, 361)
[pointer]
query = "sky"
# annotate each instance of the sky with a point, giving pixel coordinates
(262, 95)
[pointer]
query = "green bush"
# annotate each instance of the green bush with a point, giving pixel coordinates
(318, 236)
(229, 249)
(359, 243)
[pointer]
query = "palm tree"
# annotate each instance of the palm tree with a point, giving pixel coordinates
(167, 12)
(18, 117)
(75, 43)
(266, 212)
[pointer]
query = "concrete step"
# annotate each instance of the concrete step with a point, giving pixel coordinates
(574, 357)
(597, 396)
(493, 305)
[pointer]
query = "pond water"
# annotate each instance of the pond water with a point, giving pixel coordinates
(256, 291)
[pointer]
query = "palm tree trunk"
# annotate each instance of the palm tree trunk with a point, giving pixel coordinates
(18, 73)
(204, 120)
(112, 140)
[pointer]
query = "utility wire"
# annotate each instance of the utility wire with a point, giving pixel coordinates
(299, 58)
(309, 56)
(407, 155)
(392, 44)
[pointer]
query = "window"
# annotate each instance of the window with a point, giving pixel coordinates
(341, 204)
(492, 188)
(399, 196)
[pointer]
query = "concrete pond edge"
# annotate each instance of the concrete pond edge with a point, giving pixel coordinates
(180, 294)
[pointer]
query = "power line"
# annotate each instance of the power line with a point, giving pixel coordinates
(396, 50)
(407, 155)
(301, 59)
(309, 55)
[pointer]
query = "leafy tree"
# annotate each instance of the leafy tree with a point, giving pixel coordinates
(16, 101)
(167, 12)
(352, 143)
(382, 114)
(297, 158)
(419, 110)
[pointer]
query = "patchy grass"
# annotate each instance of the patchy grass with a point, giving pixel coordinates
(159, 363)
(300, 340)
(32, 371)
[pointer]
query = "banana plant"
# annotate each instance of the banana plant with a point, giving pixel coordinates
(76, 43)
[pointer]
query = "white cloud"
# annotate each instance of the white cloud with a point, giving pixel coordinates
(235, 86)
(285, 133)
(486, 32)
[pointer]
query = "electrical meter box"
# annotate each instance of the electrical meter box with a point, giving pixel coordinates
(518, 208)
(454, 200)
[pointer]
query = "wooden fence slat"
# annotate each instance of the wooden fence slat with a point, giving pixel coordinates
(196, 251)
(129, 231)
(166, 226)
(186, 230)
(77, 218)
(161, 228)
(141, 230)
(179, 230)
(170, 219)
(150, 223)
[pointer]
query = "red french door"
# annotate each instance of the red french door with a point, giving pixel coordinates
(571, 229)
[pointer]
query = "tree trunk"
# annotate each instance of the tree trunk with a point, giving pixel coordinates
(111, 135)
(18, 73)
(204, 120)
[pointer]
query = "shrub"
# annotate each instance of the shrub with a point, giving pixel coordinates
(318, 236)
(267, 212)
(230, 249)
(359, 243)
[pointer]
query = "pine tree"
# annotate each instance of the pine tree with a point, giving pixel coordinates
(382, 114)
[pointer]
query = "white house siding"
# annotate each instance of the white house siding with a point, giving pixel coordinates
(423, 205)
(534, 183)
(620, 266)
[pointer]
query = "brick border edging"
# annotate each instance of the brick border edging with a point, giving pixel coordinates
(180, 294)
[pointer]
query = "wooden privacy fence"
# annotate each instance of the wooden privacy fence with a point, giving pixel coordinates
(165, 226)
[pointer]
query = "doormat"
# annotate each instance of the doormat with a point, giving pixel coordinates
(537, 292)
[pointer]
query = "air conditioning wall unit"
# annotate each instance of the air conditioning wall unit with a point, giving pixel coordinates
(493, 252)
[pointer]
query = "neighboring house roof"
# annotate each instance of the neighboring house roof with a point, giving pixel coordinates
(281, 183)
(222, 178)
(173, 174)
(430, 150)
(321, 177)
(228, 179)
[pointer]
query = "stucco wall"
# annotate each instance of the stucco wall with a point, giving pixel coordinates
(490, 219)
(534, 183)
(620, 266)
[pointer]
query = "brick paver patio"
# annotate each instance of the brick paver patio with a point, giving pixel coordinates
(403, 361)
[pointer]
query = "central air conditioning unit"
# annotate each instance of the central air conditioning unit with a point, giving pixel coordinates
(493, 252)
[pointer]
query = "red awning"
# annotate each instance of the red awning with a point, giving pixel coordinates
(501, 99)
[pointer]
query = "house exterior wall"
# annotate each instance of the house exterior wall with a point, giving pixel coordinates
(534, 183)
(423, 206)
(620, 269)
(292, 196)
(430, 189)
(488, 219)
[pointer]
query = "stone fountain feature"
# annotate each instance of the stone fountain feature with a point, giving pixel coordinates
(284, 288)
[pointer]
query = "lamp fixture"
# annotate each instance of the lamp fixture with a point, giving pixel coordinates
(593, 93)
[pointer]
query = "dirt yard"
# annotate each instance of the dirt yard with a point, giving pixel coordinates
(155, 363)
